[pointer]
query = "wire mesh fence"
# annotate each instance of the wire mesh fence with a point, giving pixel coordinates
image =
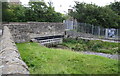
(94, 30)
(97, 30)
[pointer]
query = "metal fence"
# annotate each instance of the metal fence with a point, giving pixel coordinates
(94, 30)
(97, 30)
(70, 24)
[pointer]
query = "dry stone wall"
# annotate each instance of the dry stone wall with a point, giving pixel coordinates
(10, 60)
(23, 32)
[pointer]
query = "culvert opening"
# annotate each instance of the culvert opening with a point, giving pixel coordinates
(49, 41)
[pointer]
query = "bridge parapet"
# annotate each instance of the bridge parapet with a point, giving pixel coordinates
(10, 60)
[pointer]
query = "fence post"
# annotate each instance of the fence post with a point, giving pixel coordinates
(92, 29)
(98, 31)
(117, 34)
(106, 33)
(85, 28)
(72, 25)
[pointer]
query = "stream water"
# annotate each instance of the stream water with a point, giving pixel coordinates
(111, 56)
(114, 56)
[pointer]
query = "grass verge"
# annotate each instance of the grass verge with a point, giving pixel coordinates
(42, 60)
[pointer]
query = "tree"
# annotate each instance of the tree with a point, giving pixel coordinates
(18, 13)
(52, 15)
(36, 11)
(93, 14)
(115, 7)
(13, 12)
(5, 12)
(39, 11)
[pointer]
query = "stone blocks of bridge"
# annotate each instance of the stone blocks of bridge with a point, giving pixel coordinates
(22, 32)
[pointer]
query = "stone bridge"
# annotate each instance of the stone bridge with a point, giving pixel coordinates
(43, 32)
(10, 60)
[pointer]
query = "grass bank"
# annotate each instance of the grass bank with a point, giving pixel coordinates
(92, 45)
(42, 60)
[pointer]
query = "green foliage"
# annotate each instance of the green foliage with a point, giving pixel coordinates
(92, 45)
(18, 13)
(42, 60)
(39, 11)
(5, 12)
(36, 11)
(115, 7)
(93, 14)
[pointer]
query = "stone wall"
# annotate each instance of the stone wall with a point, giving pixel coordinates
(10, 60)
(23, 32)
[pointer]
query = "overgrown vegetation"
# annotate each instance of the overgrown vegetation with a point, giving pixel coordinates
(92, 45)
(42, 60)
